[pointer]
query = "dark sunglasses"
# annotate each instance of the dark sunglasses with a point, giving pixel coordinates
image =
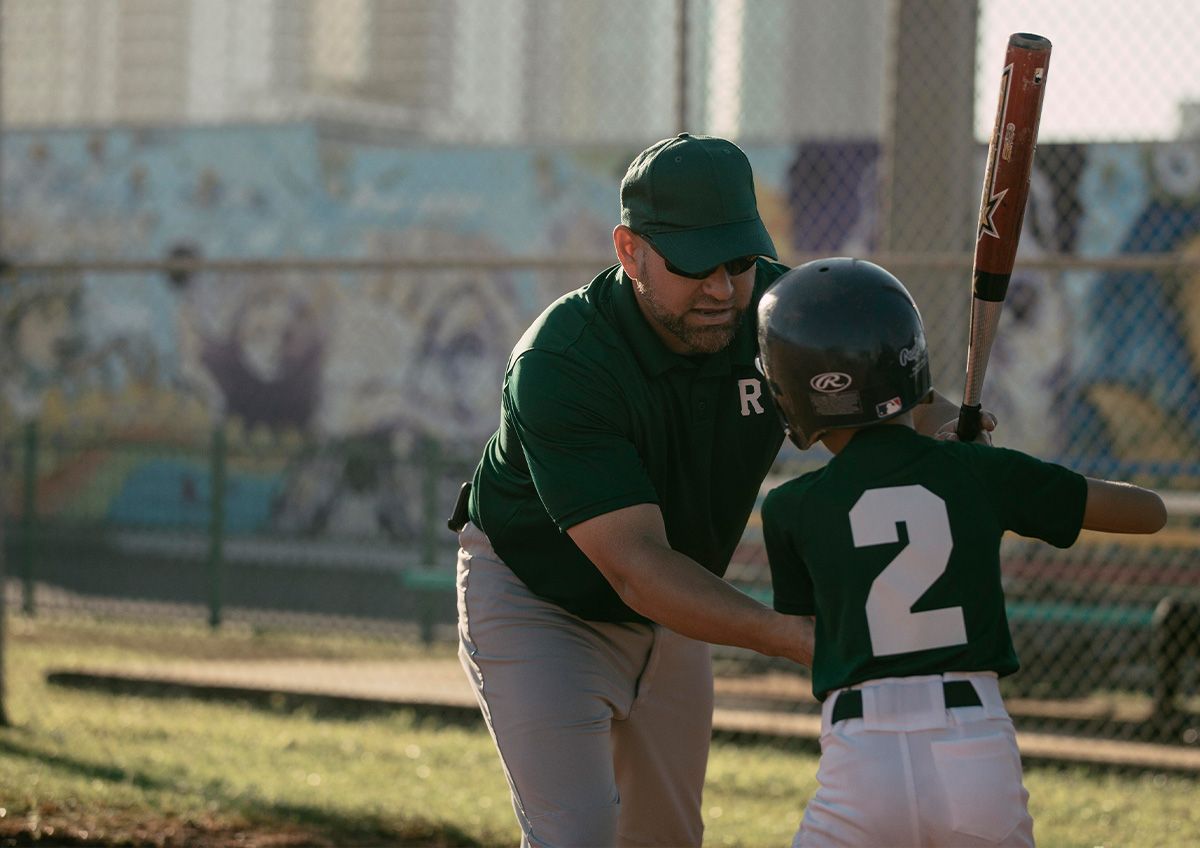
(734, 266)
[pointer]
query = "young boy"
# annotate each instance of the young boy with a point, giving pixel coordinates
(894, 548)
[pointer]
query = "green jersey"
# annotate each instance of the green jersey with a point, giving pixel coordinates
(894, 547)
(596, 415)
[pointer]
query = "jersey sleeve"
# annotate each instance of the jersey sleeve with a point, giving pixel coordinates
(790, 580)
(572, 423)
(1038, 499)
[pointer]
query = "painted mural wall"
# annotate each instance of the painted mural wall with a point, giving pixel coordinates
(355, 369)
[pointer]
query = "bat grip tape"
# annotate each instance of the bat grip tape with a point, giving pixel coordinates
(970, 422)
(459, 518)
(991, 287)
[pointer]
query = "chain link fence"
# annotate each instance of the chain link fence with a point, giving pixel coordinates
(264, 262)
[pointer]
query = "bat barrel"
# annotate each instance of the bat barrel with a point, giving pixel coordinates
(1002, 206)
(1010, 152)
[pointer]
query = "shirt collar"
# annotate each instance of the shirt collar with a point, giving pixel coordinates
(879, 441)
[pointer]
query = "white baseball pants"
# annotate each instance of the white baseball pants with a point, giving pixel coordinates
(912, 772)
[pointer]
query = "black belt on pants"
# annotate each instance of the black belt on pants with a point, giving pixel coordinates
(958, 693)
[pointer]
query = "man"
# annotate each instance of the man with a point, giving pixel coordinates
(635, 434)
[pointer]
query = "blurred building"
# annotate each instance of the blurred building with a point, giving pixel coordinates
(475, 71)
(67, 62)
(805, 69)
(1189, 120)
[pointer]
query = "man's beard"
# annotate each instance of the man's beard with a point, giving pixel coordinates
(702, 339)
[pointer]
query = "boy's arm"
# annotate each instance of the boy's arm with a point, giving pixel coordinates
(1122, 508)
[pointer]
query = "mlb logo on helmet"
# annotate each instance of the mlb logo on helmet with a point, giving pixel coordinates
(888, 407)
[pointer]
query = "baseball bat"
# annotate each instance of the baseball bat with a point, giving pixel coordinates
(1002, 208)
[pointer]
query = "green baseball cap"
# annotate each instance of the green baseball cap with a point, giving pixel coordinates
(692, 197)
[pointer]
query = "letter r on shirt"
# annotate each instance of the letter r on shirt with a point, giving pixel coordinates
(750, 391)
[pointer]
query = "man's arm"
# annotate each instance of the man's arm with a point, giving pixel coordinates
(630, 548)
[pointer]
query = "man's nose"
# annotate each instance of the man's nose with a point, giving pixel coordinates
(719, 285)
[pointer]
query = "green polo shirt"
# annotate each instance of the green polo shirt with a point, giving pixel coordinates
(596, 415)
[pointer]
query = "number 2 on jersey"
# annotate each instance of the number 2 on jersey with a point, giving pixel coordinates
(894, 627)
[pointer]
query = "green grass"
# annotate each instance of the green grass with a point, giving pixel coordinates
(123, 766)
(142, 771)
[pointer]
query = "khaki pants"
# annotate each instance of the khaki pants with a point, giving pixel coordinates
(602, 728)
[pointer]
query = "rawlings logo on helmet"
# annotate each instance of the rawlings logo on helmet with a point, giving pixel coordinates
(831, 382)
(913, 354)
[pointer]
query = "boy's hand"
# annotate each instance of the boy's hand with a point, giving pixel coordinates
(939, 418)
(947, 431)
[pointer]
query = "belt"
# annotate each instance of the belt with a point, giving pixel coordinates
(958, 693)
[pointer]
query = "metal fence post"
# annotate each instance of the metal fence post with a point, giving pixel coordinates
(431, 457)
(681, 66)
(28, 516)
(216, 525)
(4, 722)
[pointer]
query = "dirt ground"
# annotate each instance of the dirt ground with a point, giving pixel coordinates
(50, 829)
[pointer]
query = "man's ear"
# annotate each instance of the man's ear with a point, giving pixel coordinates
(625, 241)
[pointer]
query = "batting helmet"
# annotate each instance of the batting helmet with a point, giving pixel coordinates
(842, 345)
